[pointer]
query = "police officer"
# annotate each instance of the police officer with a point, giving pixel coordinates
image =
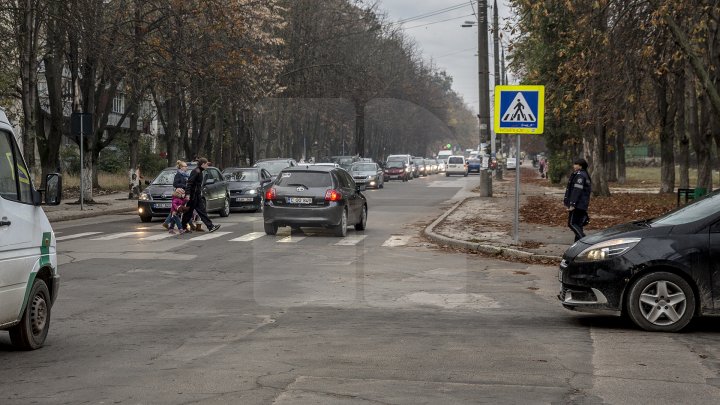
(577, 198)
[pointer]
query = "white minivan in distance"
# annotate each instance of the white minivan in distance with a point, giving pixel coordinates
(456, 165)
(29, 279)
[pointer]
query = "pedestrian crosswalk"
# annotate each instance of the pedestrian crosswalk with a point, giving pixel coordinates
(228, 236)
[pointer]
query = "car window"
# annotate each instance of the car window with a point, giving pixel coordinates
(273, 167)
(305, 179)
(364, 167)
(241, 175)
(165, 177)
(349, 182)
(394, 164)
(690, 213)
(455, 160)
(265, 174)
(8, 186)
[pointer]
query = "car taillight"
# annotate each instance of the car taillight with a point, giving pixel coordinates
(270, 194)
(332, 195)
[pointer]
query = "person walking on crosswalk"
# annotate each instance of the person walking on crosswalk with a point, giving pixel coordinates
(193, 195)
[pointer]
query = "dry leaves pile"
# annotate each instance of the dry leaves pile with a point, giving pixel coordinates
(604, 211)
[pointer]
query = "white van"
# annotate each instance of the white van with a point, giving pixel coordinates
(456, 165)
(29, 279)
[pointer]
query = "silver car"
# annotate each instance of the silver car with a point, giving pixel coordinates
(368, 174)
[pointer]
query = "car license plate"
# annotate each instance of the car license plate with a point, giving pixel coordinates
(161, 205)
(299, 200)
(393, 177)
(244, 199)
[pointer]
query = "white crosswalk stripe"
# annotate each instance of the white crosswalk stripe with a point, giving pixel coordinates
(397, 240)
(118, 235)
(77, 235)
(249, 237)
(351, 240)
(160, 236)
(291, 239)
(209, 236)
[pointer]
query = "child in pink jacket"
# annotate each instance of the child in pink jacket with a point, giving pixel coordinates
(176, 209)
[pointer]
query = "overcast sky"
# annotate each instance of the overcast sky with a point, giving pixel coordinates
(442, 39)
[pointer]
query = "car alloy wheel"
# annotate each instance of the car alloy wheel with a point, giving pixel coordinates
(226, 208)
(662, 302)
(341, 229)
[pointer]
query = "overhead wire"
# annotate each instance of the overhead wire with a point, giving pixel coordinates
(434, 13)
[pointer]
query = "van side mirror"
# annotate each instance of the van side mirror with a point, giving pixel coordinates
(53, 189)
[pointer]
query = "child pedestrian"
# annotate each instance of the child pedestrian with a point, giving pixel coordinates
(176, 211)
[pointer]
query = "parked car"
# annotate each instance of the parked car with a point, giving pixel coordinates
(456, 165)
(396, 170)
(247, 186)
(511, 163)
(274, 166)
(155, 200)
(29, 279)
(368, 173)
(315, 196)
(660, 272)
(434, 169)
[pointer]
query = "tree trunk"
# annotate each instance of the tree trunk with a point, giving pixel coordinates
(702, 144)
(360, 128)
(600, 186)
(680, 130)
(134, 139)
(620, 153)
(667, 139)
(611, 167)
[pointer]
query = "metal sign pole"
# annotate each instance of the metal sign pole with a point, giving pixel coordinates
(82, 164)
(516, 225)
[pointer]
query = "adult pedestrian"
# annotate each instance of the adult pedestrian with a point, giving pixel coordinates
(577, 198)
(193, 195)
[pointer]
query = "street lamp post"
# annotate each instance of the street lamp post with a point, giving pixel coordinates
(483, 87)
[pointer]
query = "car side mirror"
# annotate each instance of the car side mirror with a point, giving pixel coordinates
(209, 182)
(53, 189)
(361, 187)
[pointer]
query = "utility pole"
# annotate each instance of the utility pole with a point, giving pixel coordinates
(496, 55)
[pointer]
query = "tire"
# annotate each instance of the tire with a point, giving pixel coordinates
(362, 225)
(33, 328)
(146, 218)
(270, 229)
(341, 229)
(447, 174)
(405, 179)
(657, 288)
(225, 212)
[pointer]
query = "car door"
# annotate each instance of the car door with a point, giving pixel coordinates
(352, 196)
(18, 226)
(218, 188)
(714, 263)
(265, 180)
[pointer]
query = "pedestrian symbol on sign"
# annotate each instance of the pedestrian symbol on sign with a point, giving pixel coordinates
(519, 110)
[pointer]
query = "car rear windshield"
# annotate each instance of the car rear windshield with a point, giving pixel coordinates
(305, 179)
(241, 175)
(455, 160)
(165, 177)
(363, 168)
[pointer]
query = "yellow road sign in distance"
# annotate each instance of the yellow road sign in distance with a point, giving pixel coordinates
(519, 109)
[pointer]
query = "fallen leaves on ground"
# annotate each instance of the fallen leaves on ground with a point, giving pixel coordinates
(604, 211)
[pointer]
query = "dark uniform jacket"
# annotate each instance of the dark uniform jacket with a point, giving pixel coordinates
(195, 184)
(577, 193)
(180, 180)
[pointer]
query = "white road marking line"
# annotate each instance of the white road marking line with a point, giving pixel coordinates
(77, 235)
(397, 240)
(351, 240)
(210, 236)
(249, 237)
(160, 237)
(119, 235)
(291, 239)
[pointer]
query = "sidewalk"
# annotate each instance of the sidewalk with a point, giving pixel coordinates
(485, 225)
(69, 208)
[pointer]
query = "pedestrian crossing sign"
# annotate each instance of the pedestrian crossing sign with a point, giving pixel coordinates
(519, 109)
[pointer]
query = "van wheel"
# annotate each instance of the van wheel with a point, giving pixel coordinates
(30, 333)
(270, 229)
(341, 229)
(145, 218)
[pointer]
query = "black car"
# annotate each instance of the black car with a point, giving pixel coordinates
(315, 196)
(660, 272)
(247, 186)
(274, 166)
(155, 200)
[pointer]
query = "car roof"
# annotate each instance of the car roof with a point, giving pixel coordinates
(310, 168)
(243, 168)
(274, 160)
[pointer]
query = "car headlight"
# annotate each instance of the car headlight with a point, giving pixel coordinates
(371, 177)
(607, 250)
(252, 192)
(145, 197)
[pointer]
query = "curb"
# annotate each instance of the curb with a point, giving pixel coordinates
(87, 214)
(479, 247)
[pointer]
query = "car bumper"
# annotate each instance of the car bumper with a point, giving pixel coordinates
(299, 216)
(474, 169)
(151, 208)
(593, 286)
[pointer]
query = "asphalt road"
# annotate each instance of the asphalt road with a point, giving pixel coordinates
(379, 317)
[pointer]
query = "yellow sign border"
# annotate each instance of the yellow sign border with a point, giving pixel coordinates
(540, 113)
